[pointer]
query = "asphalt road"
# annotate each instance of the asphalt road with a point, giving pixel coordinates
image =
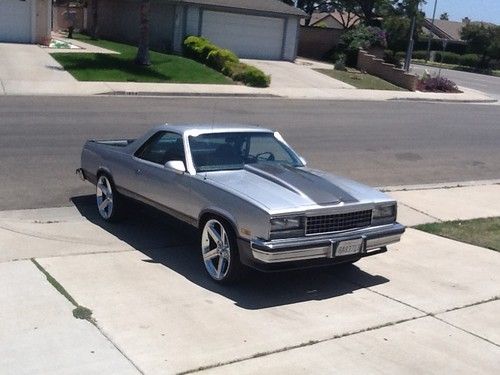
(379, 143)
(490, 85)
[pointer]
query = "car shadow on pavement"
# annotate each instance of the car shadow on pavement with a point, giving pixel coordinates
(167, 241)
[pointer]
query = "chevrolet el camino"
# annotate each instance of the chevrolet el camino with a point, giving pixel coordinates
(255, 202)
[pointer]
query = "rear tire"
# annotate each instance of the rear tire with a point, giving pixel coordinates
(108, 200)
(219, 250)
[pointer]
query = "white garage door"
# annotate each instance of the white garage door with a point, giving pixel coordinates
(15, 21)
(248, 36)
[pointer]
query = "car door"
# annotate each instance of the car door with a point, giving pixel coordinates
(156, 183)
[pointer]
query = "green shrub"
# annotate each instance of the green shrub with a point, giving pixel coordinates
(223, 60)
(447, 57)
(471, 60)
(360, 37)
(391, 58)
(218, 58)
(419, 55)
(198, 48)
(340, 62)
(247, 74)
(400, 55)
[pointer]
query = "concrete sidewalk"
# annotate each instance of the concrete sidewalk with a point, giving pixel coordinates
(428, 304)
(75, 88)
(30, 70)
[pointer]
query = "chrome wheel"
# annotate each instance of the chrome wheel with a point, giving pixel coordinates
(104, 197)
(216, 249)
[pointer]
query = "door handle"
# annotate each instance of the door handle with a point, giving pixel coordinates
(138, 171)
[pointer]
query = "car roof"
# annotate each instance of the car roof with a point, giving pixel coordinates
(212, 128)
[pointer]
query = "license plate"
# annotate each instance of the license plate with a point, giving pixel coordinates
(349, 247)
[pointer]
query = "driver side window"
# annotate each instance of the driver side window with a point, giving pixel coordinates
(161, 148)
(266, 146)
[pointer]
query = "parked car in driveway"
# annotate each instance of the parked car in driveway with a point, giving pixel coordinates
(250, 194)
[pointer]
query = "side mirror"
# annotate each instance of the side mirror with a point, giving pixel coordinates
(176, 166)
(303, 160)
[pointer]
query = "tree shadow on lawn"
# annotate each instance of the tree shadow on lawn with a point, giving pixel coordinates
(174, 244)
(123, 65)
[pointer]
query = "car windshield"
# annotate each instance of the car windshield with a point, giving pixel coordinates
(226, 151)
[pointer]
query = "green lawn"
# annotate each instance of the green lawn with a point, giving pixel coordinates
(360, 80)
(121, 68)
(479, 232)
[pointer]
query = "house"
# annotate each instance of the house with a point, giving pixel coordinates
(25, 21)
(260, 29)
(333, 20)
(444, 29)
(448, 30)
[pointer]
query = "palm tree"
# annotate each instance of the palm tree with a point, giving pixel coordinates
(142, 57)
(95, 27)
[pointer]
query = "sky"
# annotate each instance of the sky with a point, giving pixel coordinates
(476, 10)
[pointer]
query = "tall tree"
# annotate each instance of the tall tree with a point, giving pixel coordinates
(444, 16)
(483, 40)
(142, 57)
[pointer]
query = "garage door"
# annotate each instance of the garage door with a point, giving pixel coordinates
(15, 21)
(248, 36)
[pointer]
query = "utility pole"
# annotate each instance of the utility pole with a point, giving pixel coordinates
(431, 32)
(409, 50)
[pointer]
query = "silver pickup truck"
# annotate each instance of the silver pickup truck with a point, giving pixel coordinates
(250, 194)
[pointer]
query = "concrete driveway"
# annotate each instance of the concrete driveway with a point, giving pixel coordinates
(297, 75)
(24, 65)
(428, 304)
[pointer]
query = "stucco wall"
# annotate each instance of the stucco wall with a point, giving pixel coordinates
(291, 42)
(169, 24)
(119, 20)
(370, 64)
(43, 21)
(192, 20)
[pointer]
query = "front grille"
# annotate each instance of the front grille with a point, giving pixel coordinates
(338, 222)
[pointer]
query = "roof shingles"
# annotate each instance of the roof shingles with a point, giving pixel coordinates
(270, 6)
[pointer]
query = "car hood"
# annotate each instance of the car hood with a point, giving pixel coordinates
(281, 187)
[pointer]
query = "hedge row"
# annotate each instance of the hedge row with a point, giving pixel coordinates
(224, 61)
(471, 60)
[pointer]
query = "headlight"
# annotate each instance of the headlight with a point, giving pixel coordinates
(286, 223)
(384, 212)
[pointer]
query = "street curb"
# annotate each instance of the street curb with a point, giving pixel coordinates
(458, 101)
(275, 96)
(441, 185)
(186, 94)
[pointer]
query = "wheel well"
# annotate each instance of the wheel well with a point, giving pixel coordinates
(209, 215)
(103, 172)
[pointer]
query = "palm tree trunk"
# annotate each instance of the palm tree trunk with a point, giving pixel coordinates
(95, 25)
(142, 57)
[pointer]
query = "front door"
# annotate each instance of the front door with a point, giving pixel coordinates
(156, 183)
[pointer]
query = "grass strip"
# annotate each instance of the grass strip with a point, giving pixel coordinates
(456, 67)
(79, 312)
(479, 232)
(360, 80)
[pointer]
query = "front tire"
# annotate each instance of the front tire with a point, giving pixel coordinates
(107, 199)
(220, 251)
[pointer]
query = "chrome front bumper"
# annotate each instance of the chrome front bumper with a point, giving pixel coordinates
(299, 249)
